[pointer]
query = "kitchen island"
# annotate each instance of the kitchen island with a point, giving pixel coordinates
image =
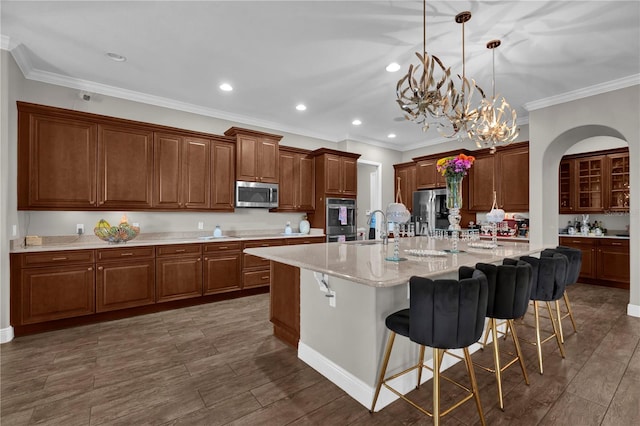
(341, 293)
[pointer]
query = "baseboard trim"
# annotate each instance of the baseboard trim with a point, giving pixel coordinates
(633, 310)
(6, 335)
(361, 391)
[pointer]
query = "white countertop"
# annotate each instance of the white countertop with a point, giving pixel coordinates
(364, 263)
(613, 237)
(87, 242)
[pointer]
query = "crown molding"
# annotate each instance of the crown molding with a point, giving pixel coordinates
(585, 92)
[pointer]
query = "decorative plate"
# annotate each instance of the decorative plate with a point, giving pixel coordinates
(483, 245)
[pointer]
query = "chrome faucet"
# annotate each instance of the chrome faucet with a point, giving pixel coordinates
(383, 233)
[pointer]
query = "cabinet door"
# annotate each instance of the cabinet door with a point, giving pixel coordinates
(285, 302)
(306, 184)
(332, 170)
(514, 179)
(407, 177)
(246, 161)
(289, 185)
(57, 292)
(588, 248)
(196, 178)
(178, 278)
(125, 285)
(167, 156)
(222, 273)
(566, 187)
(223, 176)
(480, 177)
(57, 160)
(589, 184)
(349, 176)
(614, 262)
(125, 161)
(268, 161)
(426, 174)
(618, 191)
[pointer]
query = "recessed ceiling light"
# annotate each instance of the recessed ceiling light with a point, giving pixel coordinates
(393, 67)
(301, 107)
(391, 135)
(226, 87)
(116, 57)
(356, 122)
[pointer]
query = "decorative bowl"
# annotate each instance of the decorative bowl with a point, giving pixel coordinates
(117, 234)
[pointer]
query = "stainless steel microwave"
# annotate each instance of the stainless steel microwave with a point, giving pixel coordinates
(256, 194)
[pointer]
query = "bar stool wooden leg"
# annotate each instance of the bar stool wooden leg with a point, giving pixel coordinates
(420, 363)
(383, 370)
(511, 325)
(538, 340)
(436, 386)
(555, 330)
(474, 384)
(566, 302)
(496, 358)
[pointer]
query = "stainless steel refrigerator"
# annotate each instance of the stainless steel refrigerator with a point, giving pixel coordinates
(430, 210)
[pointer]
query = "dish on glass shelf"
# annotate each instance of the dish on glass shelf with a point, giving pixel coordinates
(425, 253)
(483, 245)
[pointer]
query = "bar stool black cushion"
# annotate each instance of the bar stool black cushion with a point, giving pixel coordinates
(509, 289)
(550, 275)
(575, 261)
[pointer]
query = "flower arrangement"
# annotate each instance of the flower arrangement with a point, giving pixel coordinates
(455, 166)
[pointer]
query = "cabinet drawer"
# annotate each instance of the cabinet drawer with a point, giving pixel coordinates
(125, 253)
(57, 257)
(256, 278)
(250, 261)
(576, 241)
(178, 249)
(611, 242)
(222, 247)
(309, 240)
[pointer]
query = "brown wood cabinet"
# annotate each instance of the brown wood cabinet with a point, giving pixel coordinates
(255, 270)
(257, 155)
(125, 167)
(590, 184)
(406, 172)
(427, 175)
(297, 180)
(52, 285)
(222, 267)
(605, 261)
(178, 272)
(182, 172)
(223, 163)
(125, 277)
(285, 302)
(617, 198)
(566, 189)
(509, 169)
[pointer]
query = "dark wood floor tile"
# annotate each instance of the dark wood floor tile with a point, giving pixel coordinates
(19, 418)
(618, 345)
(79, 378)
(17, 387)
(571, 409)
(520, 409)
(628, 325)
(286, 386)
(71, 411)
(633, 368)
(625, 405)
(216, 392)
(341, 411)
(222, 413)
(598, 379)
(274, 364)
(16, 403)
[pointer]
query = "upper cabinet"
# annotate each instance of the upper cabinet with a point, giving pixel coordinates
(594, 182)
(297, 180)
(405, 174)
(427, 176)
(508, 172)
(257, 155)
(57, 161)
(336, 173)
(70, 160)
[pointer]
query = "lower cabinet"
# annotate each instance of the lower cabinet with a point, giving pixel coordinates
(605, 261)
(255, 270)
(285, 302)
(222, 267)
(125, 278)
(178, 272)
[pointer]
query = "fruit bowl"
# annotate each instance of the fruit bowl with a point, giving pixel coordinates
(115, 234)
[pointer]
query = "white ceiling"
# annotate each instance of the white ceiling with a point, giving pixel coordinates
(330, 55)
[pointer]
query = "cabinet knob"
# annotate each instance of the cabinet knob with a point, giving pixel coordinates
(206, 258)
(100, 268)
(89, 269)
(199, 259)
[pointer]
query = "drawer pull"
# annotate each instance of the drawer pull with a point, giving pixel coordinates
(616, 244)
(126, 254)
(180, 250)
(266, 277)
(59, 258)
(100, 268)
(265, 245)
(90, 269)
(223, 248)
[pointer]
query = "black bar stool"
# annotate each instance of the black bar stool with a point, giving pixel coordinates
(509, 291)
(548, 283)
(442, 314)
(575, 264)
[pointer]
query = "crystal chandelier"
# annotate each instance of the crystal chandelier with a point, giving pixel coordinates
(496, 122)
(463, 114)
(426, 94)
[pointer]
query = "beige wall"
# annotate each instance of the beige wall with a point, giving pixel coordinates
(555, 129)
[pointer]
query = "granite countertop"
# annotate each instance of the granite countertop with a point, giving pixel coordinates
(364, 262)
(619, 237)
(86, 242)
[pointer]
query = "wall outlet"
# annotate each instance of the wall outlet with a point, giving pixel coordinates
(80, 229)
(201, 225)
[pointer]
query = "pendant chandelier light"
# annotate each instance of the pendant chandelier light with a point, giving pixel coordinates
(425, 95)
(496, 122)
(463, 114)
